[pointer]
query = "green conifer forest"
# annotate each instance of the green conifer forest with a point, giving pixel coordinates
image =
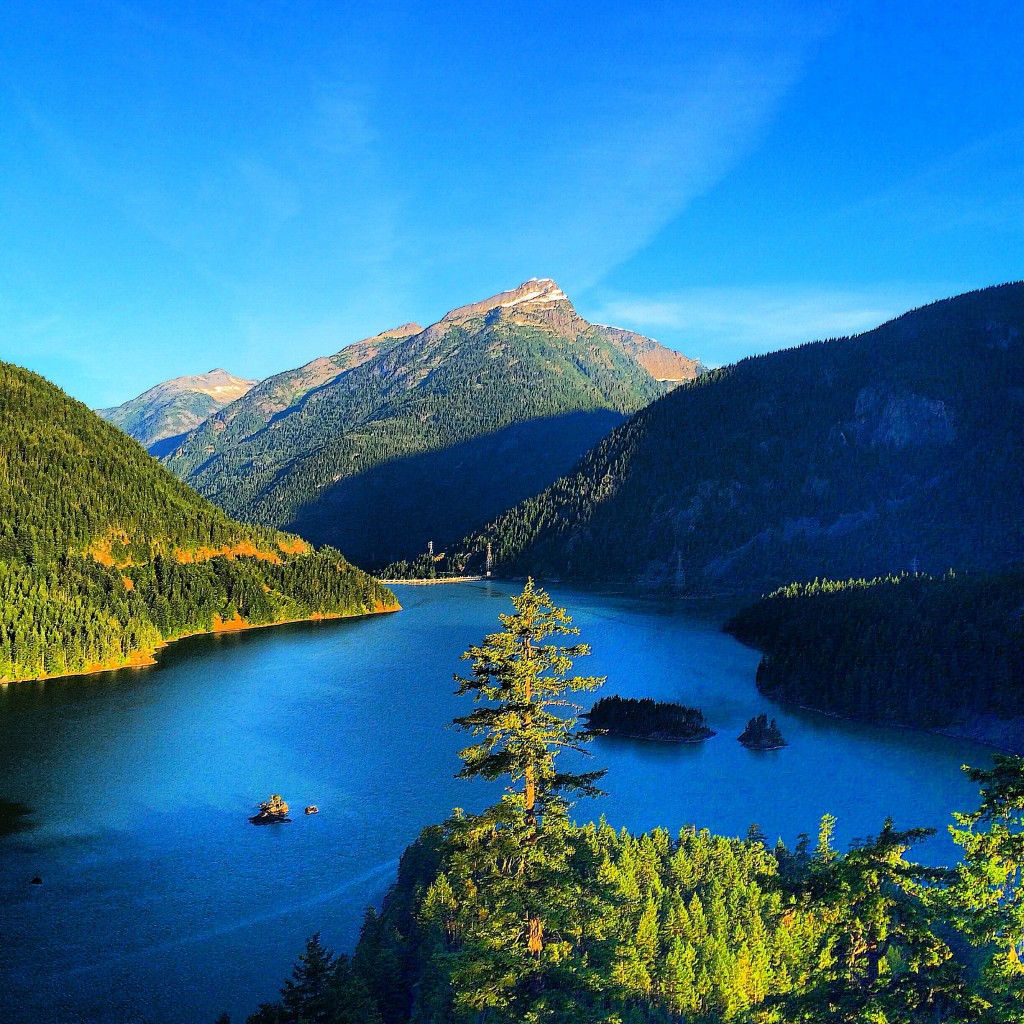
(906, 649)
(104, 555)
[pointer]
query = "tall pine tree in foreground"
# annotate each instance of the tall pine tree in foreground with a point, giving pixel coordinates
(520, 849)
(519, 679)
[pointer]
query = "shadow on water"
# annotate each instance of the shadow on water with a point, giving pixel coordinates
(14, 817)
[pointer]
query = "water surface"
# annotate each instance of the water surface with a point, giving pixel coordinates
(161, 903)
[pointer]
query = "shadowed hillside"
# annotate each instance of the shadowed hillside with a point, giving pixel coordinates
(306, 449)
(896, 449)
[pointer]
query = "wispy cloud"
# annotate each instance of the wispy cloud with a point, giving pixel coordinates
(574, 180)
(977, 185)
(648, 162)
(595, 187)
(721, 325)
(275, 202)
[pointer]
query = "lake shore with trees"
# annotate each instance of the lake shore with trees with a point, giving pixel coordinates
(940, 654)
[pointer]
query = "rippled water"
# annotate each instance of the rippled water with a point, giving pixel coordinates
(161, 903)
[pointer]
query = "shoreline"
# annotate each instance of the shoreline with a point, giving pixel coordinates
(977, 733)
(428, 583)
(654, 739)
(988, 731)
(149, 659)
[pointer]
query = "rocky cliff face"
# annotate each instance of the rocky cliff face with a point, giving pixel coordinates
(538, 296)
(900, 419)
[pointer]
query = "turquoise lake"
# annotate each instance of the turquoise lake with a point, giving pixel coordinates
(160, 903)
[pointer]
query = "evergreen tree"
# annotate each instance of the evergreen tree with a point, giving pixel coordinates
(987, 897)
(881, 959)
(519, 849)
(306, 995)
(523, 679)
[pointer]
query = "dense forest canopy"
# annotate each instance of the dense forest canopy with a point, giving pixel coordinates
(895, 449)
(104, 555)
(906, 649)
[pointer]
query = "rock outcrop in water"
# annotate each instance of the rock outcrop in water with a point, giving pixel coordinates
(272, 812)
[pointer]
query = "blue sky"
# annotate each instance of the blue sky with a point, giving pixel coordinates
(250, 185)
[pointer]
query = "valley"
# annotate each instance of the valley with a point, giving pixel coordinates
(420, 434)
(678, 499)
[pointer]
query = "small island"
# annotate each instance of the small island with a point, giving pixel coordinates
(760, 734)
(647, 719)
(272, 812)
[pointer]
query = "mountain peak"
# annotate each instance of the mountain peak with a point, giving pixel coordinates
(217, 382)
(176, 406)
(536, 290)
(536, 295)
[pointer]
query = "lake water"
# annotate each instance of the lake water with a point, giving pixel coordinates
(161, 903)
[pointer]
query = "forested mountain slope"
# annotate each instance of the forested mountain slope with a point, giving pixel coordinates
(935, 652)
(161, 416)
(896, 449)
(425, 433)
(104, 555)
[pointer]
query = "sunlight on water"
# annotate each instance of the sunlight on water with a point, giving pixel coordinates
(160, 902)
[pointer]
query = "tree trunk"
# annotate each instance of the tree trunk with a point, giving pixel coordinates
(530, 775)
(535, 942)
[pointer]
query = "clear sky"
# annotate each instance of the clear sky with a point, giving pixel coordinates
(252, 184)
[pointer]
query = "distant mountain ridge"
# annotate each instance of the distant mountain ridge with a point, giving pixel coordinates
(171, 409)
(900, 448)
(421, 433)
(287, 390)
